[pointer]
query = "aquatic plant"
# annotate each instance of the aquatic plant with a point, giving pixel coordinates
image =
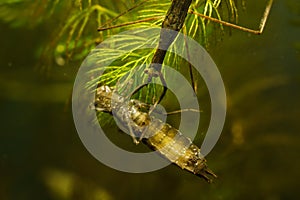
(77, 22)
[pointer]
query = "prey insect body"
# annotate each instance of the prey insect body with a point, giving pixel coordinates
(155, 133)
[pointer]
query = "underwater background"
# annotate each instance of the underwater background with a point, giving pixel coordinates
(256, 157)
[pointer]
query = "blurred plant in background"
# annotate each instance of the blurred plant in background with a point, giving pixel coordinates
(76, 22)
(72, 31)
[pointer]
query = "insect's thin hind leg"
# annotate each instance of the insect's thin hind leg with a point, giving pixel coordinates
(178, 111)
(183, 110)
(190, 66)
(137, 89)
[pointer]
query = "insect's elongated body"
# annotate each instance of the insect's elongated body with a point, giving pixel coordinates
(156, 134)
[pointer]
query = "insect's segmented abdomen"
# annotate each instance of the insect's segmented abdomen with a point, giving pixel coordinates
(168, 140)
(177, 148)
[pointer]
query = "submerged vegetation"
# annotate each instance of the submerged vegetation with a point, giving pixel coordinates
(77, 22)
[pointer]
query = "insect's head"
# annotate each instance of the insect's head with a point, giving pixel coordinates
(103, 99)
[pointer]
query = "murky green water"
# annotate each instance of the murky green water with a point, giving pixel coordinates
(42, 157)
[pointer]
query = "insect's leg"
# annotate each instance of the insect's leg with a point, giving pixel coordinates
(159, 100)
(177, 111)
(142, 135)
(183, 110)
(190, 66)
(143, 106)
(137, 89)
(135, 141)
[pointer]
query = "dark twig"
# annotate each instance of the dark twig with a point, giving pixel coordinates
(172, 23)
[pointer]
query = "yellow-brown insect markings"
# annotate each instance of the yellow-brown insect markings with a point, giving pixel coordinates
(156, 134)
